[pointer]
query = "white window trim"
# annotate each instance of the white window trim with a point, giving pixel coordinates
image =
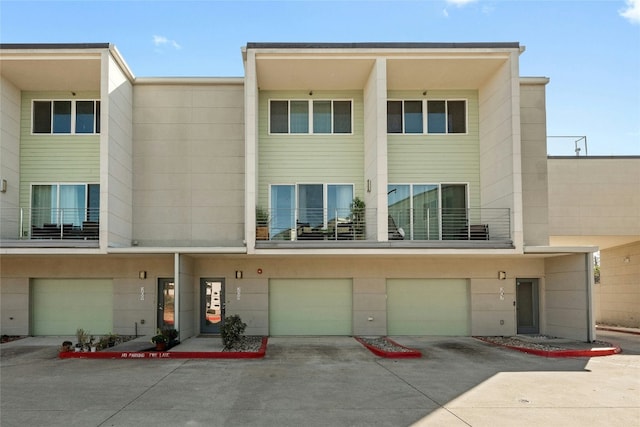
(73, 117)
(425, 116)
(310, 118)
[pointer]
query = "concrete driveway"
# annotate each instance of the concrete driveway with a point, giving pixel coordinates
(330, 381)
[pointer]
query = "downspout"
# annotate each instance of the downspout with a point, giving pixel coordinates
(176, 292)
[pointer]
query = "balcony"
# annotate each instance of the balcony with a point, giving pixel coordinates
(50, 227)
(415, 228)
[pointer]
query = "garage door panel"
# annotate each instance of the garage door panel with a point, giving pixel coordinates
(310, 306)
(428, 307)
(60, 306)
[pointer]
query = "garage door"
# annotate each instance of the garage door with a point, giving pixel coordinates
(60, 306)
(428, 307)
(310, 306)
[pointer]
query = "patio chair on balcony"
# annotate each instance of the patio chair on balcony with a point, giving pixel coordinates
(395, 232)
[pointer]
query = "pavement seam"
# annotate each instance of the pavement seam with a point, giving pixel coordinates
(441, 406)
(143, 393)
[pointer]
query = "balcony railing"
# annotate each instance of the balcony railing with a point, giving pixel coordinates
(435, 225)
(51, 224)
(313, 224)
(446, 224)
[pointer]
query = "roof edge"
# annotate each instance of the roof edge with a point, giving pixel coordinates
(385, 45)
(55, 45)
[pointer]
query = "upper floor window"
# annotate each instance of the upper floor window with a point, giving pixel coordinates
(442, 116)
(66, 116)
(310, 116)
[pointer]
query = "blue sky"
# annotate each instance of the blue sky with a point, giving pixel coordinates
(589, 49)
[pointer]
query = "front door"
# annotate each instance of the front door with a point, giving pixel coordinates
(211, 305)
(166, 303)
(527, 306)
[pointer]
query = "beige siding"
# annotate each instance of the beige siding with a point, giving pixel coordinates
(296, 158)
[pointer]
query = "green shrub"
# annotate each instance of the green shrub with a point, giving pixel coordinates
(232, 331)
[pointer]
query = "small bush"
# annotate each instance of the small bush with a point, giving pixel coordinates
(232, 331)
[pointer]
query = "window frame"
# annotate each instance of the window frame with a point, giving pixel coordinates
(97, 108)
(425, 116)
(89, 215)
(310, 116)
(411, 196)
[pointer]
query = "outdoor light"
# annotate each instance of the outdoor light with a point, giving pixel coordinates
(142, 274)
(502, 275)
(3, 186)
(238, 274)
(626, 260)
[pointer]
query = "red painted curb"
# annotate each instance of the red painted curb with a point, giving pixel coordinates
(168, 354)
(411, 353)
(604, 351)
(614, 329)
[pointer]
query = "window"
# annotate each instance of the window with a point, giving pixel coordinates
(314, 205)
(445, 116)
(66, 117)
(64, 204)
(428, 211)
(310, 116)
(404, 117)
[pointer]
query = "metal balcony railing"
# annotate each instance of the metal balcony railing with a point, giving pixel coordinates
(313, 224)
(474, 224)
(450, 224)
(51, 223)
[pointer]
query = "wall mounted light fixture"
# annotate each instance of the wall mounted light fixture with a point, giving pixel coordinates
(3, 186)
(502, 275)
(368, 186)
(142, 274)
(626, 260)
(238, 274)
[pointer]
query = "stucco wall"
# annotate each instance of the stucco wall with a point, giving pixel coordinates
(188, 162)
(533, 127)
(9, 158)
(115, 156)
(565, 297)
(618, 293)
(128, 307)
(594, 196)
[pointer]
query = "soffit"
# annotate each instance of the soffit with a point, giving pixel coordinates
(312, 73)
(404, 71)
(52, 73)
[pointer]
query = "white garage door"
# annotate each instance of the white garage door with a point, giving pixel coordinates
(61, 306)
(310, 306)
(428, 307)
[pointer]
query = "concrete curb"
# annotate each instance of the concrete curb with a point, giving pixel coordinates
(168, 354)
(595, 352)
(616, 329)
(409, 354)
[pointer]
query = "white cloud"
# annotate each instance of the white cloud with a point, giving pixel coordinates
(632, 11)
(163, 41)
(460, 3)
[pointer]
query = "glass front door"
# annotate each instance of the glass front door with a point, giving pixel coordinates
(166, 303)
(211, 305)
(527, 306)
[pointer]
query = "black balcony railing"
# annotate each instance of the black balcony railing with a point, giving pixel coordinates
(60, 223)
(442, 225)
